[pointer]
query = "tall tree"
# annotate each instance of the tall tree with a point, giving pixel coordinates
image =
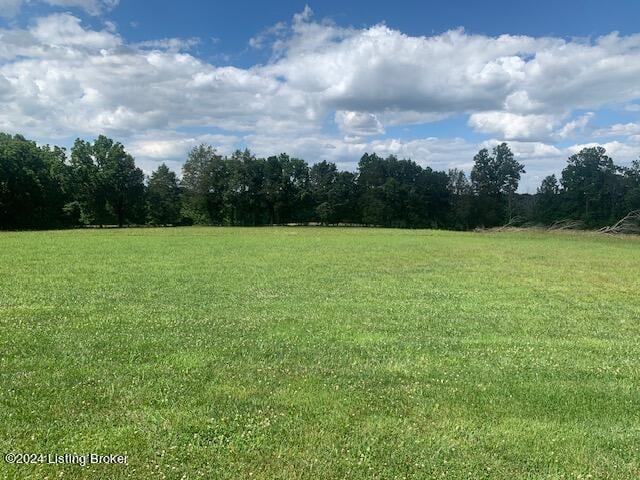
(322, 179)
(163, 197)
(592, 187)
(120, 184)
(85, 205)
(100, 184)
(462, 200)
(509, 174)
(632, 187)
(344, 198)
(547, 208)
(484, 174)
(205, 180)
(240, 194)
(32, 184)
(296, 191)
(437, 197)
(495, 178)
(371, 180)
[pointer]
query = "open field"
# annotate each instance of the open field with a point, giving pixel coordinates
(321, 353)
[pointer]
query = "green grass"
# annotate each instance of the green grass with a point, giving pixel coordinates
(321, 353)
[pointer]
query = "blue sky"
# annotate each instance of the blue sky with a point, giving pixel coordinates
(434, 81)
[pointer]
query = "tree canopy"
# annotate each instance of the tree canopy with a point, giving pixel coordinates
(100, 184)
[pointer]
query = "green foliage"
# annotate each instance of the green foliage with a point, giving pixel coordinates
(462, 199)
(205, 180)
(244, 198)
(495, 179)
(85, 184)
(401, 193)
(592, 186)
(548, 205)
(121, 183)
(632, 187)
(592, 189)
(163, 197)
(100, 185)
(33, 184)
(325, 212)
(107, 186)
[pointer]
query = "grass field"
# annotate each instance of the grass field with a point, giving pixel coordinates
(321, 353)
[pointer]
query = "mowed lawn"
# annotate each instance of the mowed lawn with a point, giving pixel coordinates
(321, 353)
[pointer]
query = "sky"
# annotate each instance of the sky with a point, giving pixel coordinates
(433, 81)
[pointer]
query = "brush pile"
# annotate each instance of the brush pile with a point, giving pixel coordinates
(629, 224)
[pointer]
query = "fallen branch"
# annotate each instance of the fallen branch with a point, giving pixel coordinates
(511, 223)
(566, 224)
(629, 224)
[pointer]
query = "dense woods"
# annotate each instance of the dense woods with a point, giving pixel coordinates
(98, 184)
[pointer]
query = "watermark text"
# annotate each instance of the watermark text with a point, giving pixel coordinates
(83, 459)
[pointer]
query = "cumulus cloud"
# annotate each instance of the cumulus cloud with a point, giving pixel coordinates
(326, 92)
(575, 126)
(64, 30)
(512, 126)
(621, 152)
(358, 123)
(153, 147)
(619, 130)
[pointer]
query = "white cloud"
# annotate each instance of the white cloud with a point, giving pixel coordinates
(529, 150)
(64, 30)
(154, 147)
(575, 126)
(379, 69)
(171, 44)
(622, 153)
(512, 126)
(93, 7)
(619, 130)
(59, 78)
(10, 8)
(274, 32)
(358, 123)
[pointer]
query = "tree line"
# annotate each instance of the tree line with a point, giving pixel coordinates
(99, 184)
